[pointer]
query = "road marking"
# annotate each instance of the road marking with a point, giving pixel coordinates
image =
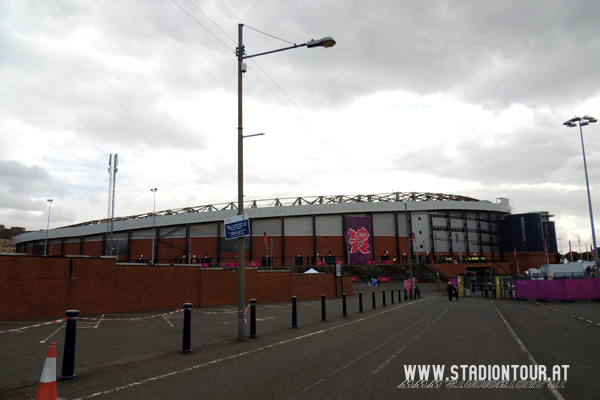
(365, 354)
(571, 315)
(169, 322)
(420, 333)
(234, 356)
(53, 333)
(386, 362)
(525, 351)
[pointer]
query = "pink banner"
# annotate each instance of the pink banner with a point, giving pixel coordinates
(560, 289)
(407, 283)
(359, 240)
(384, 279)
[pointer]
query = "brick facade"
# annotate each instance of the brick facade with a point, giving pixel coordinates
(45, 287)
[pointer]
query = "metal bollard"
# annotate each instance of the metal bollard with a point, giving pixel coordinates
(374, 306)
(399, 296)
(186, 346)
(405, 295)
(344, 313)
(360, 306)
(383, 295)
(68, 367)
(411, 292)
(294, 313)
(252, 319)
(323, 312)
(392, 295)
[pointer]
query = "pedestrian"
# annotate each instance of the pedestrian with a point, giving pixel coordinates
(417, 292)
(456, 292)
(450, 290)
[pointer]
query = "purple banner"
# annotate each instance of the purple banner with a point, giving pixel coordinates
(359, 240)
(560, 289)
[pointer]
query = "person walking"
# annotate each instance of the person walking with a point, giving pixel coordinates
(450, 290)
(455, 292)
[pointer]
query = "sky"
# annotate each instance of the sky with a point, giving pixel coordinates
(455, 97)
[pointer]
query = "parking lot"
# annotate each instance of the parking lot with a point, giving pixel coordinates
(361, 356)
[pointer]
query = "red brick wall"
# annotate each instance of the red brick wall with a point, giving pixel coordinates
(45, 287)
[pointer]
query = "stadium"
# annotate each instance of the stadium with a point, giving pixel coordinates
(459, 233)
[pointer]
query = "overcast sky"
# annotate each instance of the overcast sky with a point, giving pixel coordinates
(456, 97)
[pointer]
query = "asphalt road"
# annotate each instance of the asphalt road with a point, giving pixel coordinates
(361, 356)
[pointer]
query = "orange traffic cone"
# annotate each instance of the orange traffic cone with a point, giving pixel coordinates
(47, 388)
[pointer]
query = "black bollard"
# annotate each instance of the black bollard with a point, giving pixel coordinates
(383, 297)
(360, 306)
(68, 367)
(323, 312)
(344, 313)
(399, 296)
(294, 313)
(392, 294)
(252, 319)
(374, 306)
(405, 295)
(411, 292)
(186, 347)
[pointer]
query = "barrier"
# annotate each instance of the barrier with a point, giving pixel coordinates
(563, 289)
(252, 319)
(47, 387)
(344, 313)
(374, 305)
(68, 367)
(187, 328)
(360, 304)
(294, 313)
(35, 326)
(323, 311)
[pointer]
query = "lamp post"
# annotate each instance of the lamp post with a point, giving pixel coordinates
(240, 53)
(437, 266)
(153, 190)
(583, 121)
(48, 226)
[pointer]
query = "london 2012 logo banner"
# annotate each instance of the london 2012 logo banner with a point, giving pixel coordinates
(359, 240)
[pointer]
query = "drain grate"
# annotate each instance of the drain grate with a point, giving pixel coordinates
(16, 396)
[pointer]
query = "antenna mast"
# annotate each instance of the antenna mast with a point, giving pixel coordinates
(112, 181)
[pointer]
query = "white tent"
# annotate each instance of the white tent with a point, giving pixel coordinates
(312, 271)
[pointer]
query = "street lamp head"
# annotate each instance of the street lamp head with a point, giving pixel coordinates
(324, 42)
(590, 119)
(570, 124)
(583, 123)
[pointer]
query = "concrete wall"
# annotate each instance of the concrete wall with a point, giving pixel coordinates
(45, 287)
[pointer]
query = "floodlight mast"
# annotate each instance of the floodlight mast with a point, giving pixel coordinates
(583, 121)
(241, 258)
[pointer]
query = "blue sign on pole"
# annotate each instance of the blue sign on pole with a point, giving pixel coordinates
(237, 226)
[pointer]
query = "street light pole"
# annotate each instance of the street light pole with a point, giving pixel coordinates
(583, 121)
(48, 227)
(153, 190)
(240, 53)
(437, 265)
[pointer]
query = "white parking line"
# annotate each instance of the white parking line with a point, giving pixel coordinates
(192, 368)
(386, 362)
(168, 322)
(53, 333)
(525, 351)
